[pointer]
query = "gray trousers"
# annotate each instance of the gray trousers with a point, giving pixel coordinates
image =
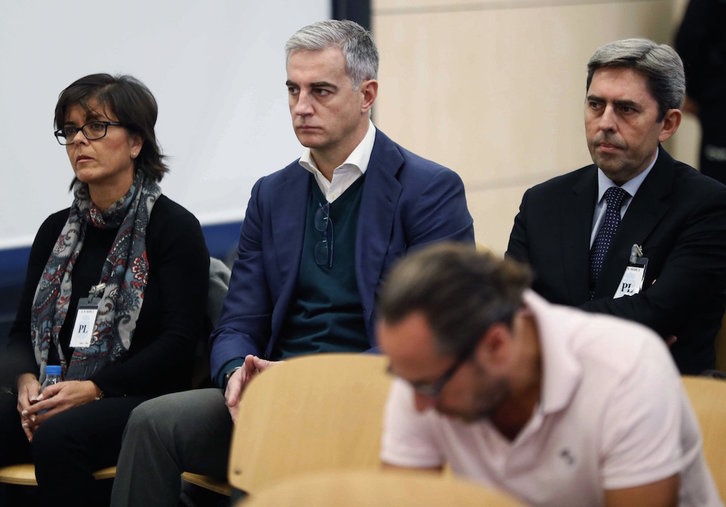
(181, 432)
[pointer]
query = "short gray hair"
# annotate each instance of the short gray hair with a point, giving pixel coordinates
(460, 291)
(359, 50)
(659, 63)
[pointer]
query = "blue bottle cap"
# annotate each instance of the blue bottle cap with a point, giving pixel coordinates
(54, 369)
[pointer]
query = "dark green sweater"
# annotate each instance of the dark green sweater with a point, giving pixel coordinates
(326, 314)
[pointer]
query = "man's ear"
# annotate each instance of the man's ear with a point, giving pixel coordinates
(369, 90)
(493, 347)
(671, 121)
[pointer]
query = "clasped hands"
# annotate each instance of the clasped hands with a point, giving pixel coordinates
(36, 407)
(239, 379)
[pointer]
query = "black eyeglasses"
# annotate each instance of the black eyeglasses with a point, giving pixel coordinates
(92, 130)
(324, 247)
(433, 389)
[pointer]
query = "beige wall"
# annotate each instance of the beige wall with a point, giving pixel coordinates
(494, 88)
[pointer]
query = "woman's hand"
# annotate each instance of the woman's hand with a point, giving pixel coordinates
(57, 398)
(28, 390)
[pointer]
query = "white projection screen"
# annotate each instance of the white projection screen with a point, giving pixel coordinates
(215, 67)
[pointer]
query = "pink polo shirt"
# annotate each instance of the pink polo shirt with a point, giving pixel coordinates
(613, 414)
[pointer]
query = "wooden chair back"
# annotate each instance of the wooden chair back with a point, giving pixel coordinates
(313, 413)
(708, 399)
(373, 489)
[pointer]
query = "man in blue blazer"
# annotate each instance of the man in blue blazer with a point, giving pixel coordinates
(405, 201)
(317, 239)
(675, 216)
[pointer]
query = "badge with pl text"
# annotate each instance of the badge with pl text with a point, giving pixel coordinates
(86, 317)
(634, 276)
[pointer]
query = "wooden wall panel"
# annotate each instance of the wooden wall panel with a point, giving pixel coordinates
(494, 89)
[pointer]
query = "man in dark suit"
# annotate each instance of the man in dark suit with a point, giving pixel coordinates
(318, 237)
(668, 213)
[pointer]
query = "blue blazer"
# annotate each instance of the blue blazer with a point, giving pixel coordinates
(406, 202)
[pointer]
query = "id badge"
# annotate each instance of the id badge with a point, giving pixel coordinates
(86, 317)
(634, 276)
(85, 322)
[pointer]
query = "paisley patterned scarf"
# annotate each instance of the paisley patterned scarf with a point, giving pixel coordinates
(125, 275)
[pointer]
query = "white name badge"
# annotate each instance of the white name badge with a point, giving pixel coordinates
(631, 282)
(84, 324)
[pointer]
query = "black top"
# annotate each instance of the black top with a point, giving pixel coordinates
(701, 43)
(326, 314)
(172, 316)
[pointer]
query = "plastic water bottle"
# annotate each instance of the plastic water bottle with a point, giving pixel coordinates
(52, 376)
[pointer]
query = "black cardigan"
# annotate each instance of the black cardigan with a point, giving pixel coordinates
(172, 317)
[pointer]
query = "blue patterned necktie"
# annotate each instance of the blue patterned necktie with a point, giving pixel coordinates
(614, 197)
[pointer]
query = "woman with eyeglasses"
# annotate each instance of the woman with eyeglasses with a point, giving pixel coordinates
(115, 293)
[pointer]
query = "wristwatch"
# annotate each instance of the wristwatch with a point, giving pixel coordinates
(229, 374)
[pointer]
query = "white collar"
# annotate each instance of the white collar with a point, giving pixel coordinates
(359, 157)
(631, 186)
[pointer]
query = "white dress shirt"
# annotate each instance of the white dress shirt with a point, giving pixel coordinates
(346, 173)
(603, 183)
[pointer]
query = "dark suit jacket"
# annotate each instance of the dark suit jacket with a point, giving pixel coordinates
(407, 201)
(678, 216)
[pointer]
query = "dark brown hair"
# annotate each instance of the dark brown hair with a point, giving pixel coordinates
(132, 103)
(460, 291)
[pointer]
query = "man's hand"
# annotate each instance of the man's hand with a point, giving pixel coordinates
(257, 365)
(239, 379)
(28, 390)
(54, 399)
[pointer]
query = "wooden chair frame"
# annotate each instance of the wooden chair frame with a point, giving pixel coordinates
(312, 413)
(24, 474)
(708, 399)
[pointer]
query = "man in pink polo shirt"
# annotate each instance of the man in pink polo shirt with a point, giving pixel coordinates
(554, 405)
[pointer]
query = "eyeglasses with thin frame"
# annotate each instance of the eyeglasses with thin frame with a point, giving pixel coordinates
(324, 247)
(92, 130)
(433, 389)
